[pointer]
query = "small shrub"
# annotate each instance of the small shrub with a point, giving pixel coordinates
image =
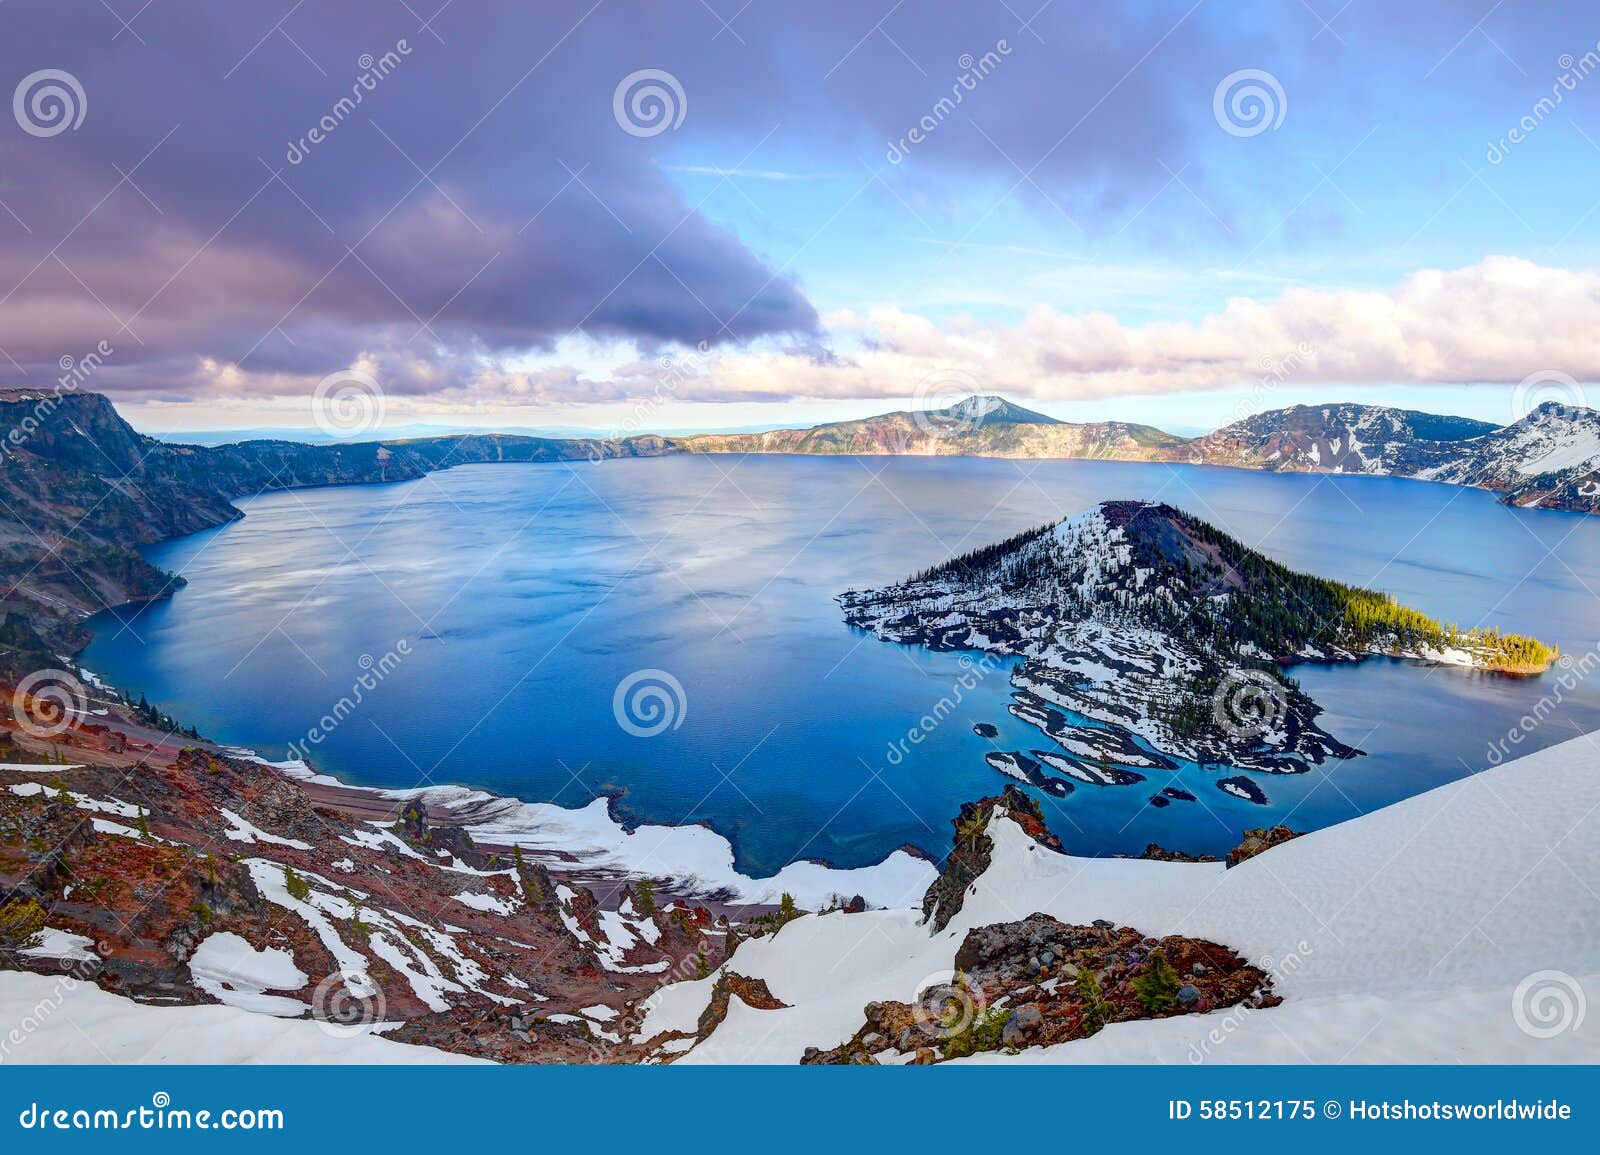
(1093, 998)
(983, 1033)
(1157, 985)
(297, 887)
(644, 897)
(21, 924)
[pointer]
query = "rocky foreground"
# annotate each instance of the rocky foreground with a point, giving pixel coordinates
(206, 891)
(174, 873)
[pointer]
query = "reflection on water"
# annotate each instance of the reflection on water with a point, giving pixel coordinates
(528, 593)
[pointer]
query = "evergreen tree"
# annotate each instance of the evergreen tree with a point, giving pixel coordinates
(644, 897)
(21, 924)
(1157, 985)
(297, 887)
(1093, 998)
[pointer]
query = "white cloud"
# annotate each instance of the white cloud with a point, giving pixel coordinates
(1497, 321)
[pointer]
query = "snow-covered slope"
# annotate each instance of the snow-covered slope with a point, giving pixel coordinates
(1461, 925)
(1345, 438)
(59, 1020)
(1550, 458)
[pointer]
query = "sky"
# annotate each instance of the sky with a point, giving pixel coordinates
(711, 213)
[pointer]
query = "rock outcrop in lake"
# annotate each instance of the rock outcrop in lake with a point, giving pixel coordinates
(1150, 636)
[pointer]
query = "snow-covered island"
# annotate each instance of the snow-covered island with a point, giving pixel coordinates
(1148, 635)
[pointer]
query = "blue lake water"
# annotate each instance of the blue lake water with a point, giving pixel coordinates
(527, 593)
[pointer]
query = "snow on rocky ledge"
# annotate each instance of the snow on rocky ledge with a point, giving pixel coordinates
(1423, 932)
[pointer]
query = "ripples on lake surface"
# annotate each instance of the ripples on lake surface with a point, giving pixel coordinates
(528, 592)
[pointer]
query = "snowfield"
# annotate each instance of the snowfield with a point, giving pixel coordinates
(60, 1020)
(693, 859)
(1423, 932)
(1460, 925)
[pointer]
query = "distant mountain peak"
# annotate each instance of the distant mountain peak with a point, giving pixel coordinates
(991, 408)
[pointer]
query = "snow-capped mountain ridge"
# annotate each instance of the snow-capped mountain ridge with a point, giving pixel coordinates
(1549, 458)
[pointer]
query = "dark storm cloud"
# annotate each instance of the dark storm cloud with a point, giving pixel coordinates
(482, 199)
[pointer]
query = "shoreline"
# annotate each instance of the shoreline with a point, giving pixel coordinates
(690, 860)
